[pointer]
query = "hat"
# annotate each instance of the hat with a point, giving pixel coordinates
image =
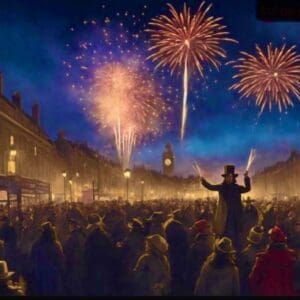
(4, 273)
(156, 216)
(202, 227)
(224, 245)
(73, 221)
(94, 218)
(229, 169)
(158, 242)
(136, 225)
(277, 235)
(47, 226)
(255, 234)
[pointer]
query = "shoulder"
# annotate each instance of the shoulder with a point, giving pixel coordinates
(262, 256)
(15, 291)
(145, 257)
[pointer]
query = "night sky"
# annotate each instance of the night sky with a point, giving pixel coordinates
(221, 128)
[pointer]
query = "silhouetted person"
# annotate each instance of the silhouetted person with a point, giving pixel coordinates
(47, 263)
(228, 219)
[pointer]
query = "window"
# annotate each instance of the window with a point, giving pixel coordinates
(12, 140)
(35, 151)
(11, 166)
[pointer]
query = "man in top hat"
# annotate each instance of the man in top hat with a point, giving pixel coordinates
(228, 216)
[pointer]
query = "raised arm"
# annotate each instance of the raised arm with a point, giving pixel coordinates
(247, 187)
(211, 187)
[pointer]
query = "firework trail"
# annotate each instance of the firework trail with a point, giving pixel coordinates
(270, 77)
(186, 41)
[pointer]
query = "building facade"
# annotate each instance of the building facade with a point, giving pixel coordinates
(73, 170)
(279, 180)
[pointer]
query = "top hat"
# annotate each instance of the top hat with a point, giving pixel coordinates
(229, 169)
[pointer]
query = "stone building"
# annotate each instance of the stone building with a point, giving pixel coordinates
(25, 149)
(280, 180)
(73, 170)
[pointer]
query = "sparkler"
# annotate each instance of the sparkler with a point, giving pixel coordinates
(187, 41)
(196, 167)
(251, 159)
(270, 77)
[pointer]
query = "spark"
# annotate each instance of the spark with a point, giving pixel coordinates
(271, 77)
(186, 41)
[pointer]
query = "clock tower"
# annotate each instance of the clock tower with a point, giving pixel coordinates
(168, 160)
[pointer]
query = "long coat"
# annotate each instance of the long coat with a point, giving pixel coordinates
(246, 262)
(152, 275)
(47, 265)
(199, 251)
(221, 281)
(228, 216)
(101, 264)
(74, 253)
(177, 238)
(273, 272)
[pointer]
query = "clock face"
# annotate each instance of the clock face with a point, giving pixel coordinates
(168, 162)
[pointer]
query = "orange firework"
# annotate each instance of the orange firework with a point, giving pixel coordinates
(270, 77)
(187, 41)
(126, 102)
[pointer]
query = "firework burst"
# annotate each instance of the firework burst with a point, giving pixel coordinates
(126, 102)
(186, 41)
(271, 77)
(113, 83)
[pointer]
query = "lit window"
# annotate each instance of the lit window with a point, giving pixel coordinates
(11, 166)
(35, 151)
(12, 140)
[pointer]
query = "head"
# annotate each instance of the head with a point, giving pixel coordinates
(156, 244)
(202, 228)
(223, 253)
(229, 174)
(255, 235)
(73, 225)
(93, 218)
(229, 178)
(48, 231)
(136, 225)
(276, 235)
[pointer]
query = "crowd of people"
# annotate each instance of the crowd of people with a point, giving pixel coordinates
(151, 247)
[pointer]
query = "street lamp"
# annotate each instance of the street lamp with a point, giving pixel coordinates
(70, 182)
(142, 190)
(64, 174)
(127, 174)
